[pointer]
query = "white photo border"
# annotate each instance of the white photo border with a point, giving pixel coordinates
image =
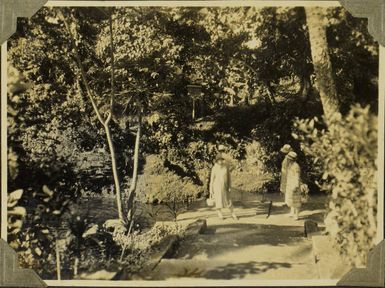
(193, 283)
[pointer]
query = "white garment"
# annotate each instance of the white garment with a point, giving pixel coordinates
(293, 182)
(220, 184)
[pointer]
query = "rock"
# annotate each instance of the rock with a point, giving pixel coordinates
(91, 231)
(99, 275)
(117, 225)
(171, 247)
(197, 227)
(311, 228)
(163, 250)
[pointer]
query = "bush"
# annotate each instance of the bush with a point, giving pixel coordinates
(344, 157)
(159, 184)
(33, 227)
(251, 173)
(136, 248)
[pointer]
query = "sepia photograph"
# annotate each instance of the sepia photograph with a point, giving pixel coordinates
(212, 143)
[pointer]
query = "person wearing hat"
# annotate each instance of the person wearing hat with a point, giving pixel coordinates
(229, 161)
(285, 150)
(221, 148)
(293, 184)
(220, 185)
(220, 152)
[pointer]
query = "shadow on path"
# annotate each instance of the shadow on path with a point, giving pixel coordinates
(253, 247)
(240, 270)
(227, 238)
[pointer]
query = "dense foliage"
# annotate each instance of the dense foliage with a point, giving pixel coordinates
(345, 158)
(160, 185)
(254, 72)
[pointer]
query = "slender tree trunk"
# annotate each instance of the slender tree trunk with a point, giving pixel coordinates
(321, 60)
(270, 93)
(76, 266)
(246, 97)
(58, 263)
(305, 88)
(132, 191)
(104, 122)
(193, 109)
(114, 170)
(112, 65)
(107, 126)
(231, 100)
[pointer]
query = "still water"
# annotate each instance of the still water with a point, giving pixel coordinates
(99, 209)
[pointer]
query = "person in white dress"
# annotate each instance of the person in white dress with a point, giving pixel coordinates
(286, 149)
(293, 185)
(220, 185)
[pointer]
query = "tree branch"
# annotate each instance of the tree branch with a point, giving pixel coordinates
(108, 119)
(247, 65)
(81, 68)
(112, 66)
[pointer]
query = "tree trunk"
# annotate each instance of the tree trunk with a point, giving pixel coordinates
(305, 89)
(246, 97)
(58, 263)
(76, 266)
(202, 108)
(107, 126)
(102, 120)
(114, 170)
(321, 61)
(270, 93)
(193, 110)
(132, 191)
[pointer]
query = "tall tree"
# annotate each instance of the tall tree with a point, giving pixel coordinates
(134, 180)
(105, 121)
(321, 60)
(147, 72)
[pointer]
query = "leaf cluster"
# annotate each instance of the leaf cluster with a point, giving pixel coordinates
(344, 157)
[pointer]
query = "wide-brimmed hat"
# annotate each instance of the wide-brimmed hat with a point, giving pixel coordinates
(292, 155)
(286, 149)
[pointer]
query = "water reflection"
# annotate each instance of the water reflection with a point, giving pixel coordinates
(99, 209)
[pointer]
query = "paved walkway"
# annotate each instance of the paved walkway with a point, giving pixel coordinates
(254, 247)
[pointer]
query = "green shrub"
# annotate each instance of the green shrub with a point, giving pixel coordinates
(159, 184)
(251, 173)
(344, 157)
(33, 227)
(136, 248)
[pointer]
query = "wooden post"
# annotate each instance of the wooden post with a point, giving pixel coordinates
(76, 265)
(193, 110)
(58, 264)
(195, 93)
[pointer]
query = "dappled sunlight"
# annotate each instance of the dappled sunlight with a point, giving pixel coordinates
(220, 239)
(190, 142)
(239, 270)
(253, 246)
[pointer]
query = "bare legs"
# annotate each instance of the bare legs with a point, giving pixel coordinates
(294, 212)
(220, 215)
(232, 213)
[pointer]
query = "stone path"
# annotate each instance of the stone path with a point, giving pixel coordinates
(254, 247)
